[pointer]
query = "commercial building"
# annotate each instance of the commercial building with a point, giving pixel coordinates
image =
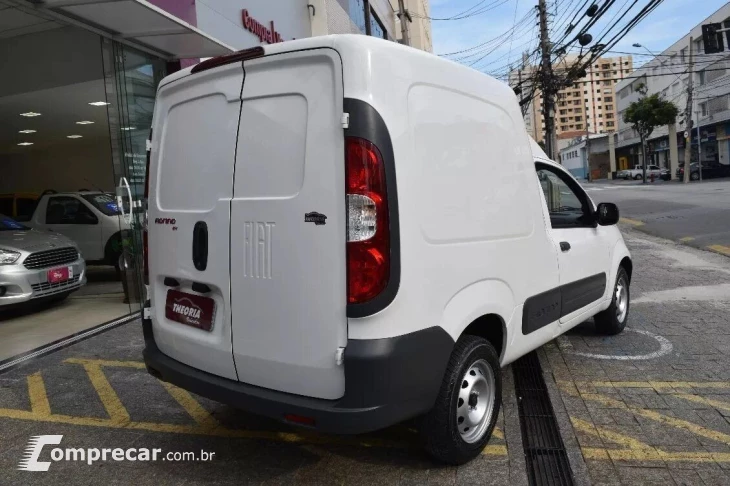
(589, 104)
(667, 74)
(77, 91)
(587, 158)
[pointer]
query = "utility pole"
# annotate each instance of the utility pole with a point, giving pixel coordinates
(699, 144)
(688, 117)
(548, 82)
(404, 18)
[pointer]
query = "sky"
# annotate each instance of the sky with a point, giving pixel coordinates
(670, 21)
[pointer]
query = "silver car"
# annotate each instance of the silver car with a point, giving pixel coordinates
(35, 264)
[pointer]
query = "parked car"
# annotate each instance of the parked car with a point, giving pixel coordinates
(382, 264)
(90, 218)
(638, 172)
(19, 205)
(710, 170)
(37, 264)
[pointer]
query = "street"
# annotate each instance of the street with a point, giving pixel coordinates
(696, 214)
(649, 406)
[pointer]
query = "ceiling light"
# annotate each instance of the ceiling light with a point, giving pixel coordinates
(84, 122)
(128, 128)
(98, 103)
(74, 136)
(25, 143)
(30, 113)
(27, 131)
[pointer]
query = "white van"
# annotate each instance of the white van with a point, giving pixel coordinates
(345, 233)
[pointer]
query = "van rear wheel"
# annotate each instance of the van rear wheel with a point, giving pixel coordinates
(613, 320)
(462, 420)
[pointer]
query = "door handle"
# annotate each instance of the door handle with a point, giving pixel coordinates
(124, 184)
(564, 246)
(200, 245)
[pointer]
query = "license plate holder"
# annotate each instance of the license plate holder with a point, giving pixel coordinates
(61, 274)
(189, 309)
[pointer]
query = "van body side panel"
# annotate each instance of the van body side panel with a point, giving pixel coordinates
(468, 198)
(191, 170)
(288, 272)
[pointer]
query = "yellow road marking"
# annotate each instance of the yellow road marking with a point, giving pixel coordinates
(201, 416)
(652, 415)
(38, 397)
(686, 239)
(107, 395)
(205, 423)
(632, 222)
(659, 386)
(705, 401)
(725, 250)
(636, 450)
(106, 362)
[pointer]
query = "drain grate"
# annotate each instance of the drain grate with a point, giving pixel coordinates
(545, 456)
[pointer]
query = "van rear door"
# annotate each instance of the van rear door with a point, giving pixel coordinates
(191, 172)
(288, 223)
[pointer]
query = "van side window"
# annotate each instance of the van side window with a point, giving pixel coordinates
(567, 204)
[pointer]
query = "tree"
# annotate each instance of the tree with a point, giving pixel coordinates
(647, 113)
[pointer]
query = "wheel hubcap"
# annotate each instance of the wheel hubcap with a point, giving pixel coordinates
(476, 401)
(622, 300)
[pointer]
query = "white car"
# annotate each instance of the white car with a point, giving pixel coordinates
(90, 218)
(357, 233)
(638, 172)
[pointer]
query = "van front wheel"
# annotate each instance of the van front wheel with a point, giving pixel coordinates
(465, 413)
(613, 320)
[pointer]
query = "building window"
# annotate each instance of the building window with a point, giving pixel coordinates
(609, 123)
(608, 98)
(364, 17)
(579, 127)
(701, 75)
(703, 109)
(377, 29)
(358, 9)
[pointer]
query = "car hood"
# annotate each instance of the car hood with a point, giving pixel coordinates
(33, 240)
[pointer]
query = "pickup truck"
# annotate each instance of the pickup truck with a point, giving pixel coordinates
(638, 172)
(92, 219)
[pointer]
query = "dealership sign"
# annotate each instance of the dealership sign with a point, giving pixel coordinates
(267, 33)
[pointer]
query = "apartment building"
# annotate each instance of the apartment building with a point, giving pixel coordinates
(589, 104)
(667, 74)
(420, 28)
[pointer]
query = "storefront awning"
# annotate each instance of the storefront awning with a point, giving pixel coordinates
(140, 22)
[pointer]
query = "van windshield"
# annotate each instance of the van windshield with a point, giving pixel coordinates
(9, 224)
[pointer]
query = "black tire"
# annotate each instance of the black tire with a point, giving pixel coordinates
(440, 428)
(694, 176)
(638, 177)
(613, 320)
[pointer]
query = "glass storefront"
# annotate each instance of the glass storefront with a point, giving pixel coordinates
(75, 114)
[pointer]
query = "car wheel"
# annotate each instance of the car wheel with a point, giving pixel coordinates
(613, 320)
(638, 177)
(462, 420)
(695, 176)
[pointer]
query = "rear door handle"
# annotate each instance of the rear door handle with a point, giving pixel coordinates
(564, 246)
(200, 245)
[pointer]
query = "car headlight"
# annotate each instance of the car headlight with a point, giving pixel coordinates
(8, 257)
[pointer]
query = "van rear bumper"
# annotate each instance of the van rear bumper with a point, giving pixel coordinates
(386, 381)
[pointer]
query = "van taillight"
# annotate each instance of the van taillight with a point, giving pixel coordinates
(368, 226)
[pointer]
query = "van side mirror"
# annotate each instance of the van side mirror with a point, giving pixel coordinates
(607, 214)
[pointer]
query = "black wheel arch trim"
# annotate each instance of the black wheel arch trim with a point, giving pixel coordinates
(366, 123)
